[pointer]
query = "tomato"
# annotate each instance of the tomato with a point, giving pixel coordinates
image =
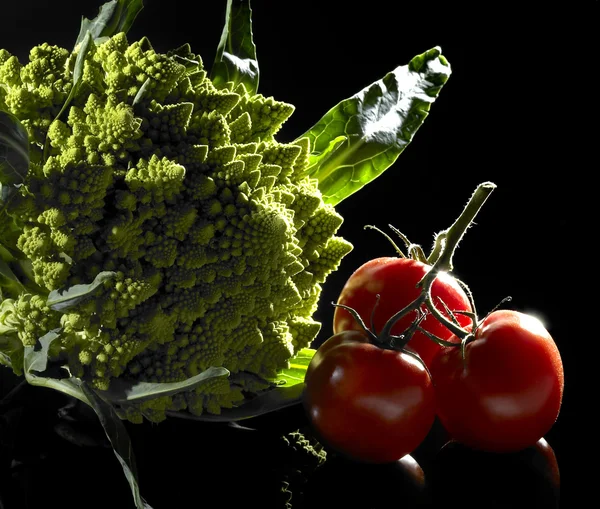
(395, 279)
(507, 394)
(367, 403)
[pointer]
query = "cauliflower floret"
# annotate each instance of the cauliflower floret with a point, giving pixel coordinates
(215, 242)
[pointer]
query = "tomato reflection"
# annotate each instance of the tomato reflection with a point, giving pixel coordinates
(475, 479)
(344, 483)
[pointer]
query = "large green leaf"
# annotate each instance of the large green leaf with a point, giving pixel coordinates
(122, 390)
(117, 434)
(14, 155)
(61, 300)
(114, 17)
(235, 60)
(362, 136)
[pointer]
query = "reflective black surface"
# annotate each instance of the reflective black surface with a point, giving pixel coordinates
(519, 110)
(54, 451)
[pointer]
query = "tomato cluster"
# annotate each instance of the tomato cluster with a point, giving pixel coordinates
(373, 393)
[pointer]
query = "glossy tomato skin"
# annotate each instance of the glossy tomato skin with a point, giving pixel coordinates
(395, 279)
(369, 404)
(507, 394)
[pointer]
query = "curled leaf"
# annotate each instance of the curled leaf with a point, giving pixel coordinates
(122, 390)
(114, 17)
(270, 400)
(61, 300)
(8, 279)
(235, 60)
(117, 434)
(84, 47)
(14, 155)
(267, 401)
(362, 136)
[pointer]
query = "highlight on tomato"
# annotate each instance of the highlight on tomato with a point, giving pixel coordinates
(506, 393)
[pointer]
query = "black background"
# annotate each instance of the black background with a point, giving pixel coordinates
(520, 110)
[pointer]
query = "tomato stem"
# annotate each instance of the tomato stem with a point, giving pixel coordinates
(449, 312)
(454, 234)
(438, 246)
(495, 308)
(415, 251)
(399, 342)
(446, 244)
(396, 248)
(467, 290)
(374, 338)
(387, 328)
(439, 341)
(456, 329)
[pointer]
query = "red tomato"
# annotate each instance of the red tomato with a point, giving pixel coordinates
(394, 279)
(508, 393)
(367, 403)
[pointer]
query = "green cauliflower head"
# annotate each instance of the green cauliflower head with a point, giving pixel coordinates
(216, 242)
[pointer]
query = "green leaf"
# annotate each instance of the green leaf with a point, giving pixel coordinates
(5, 254)
(60, 300)
(113, 17)
(9, 324)
(267, 401)
(270, 400)
(14, 155)
(235, 60)
(141, 92)
(85, 45)
(11, 350)
(9, 235)
(36, 358)
(8, 278)
(38, 372)
(377, 123)
(117, 434)
(297, 370)
(122, 391)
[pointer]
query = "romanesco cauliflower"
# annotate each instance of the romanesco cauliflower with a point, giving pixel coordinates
(216, 242)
